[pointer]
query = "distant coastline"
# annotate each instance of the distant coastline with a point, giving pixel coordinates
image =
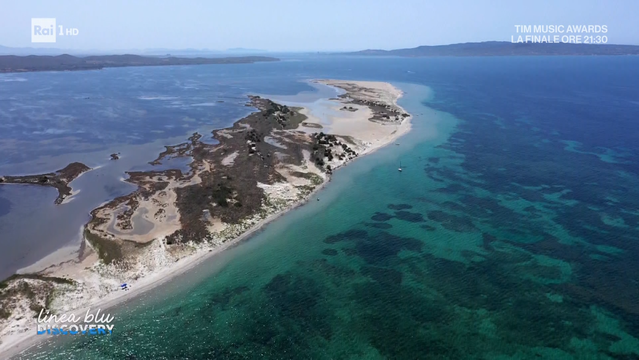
(506, 48)
(13, 63)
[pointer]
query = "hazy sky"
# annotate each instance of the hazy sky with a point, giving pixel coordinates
(303, 25)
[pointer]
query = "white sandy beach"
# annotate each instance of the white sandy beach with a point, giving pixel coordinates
(357, 123)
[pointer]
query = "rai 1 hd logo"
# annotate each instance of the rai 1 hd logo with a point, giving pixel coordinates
(44, 30)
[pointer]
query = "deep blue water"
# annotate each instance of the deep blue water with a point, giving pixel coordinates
(512, 233)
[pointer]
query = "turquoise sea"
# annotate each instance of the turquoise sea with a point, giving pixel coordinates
(512, 233)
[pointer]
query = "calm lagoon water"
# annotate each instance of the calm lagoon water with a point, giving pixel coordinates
(511, 233)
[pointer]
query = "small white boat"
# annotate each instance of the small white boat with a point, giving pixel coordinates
(400, 167)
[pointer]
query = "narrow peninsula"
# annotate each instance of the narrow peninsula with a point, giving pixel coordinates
(265, 164)
(59, 179)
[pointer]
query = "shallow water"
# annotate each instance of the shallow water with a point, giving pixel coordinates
(35, 226)
(511, 233)
(316, 101)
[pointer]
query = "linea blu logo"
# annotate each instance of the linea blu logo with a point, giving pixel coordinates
(70, 324)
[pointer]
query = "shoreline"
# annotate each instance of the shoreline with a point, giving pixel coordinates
(19, 342)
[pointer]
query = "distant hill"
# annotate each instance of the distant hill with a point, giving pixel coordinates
(12, 63)
(506, 48)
